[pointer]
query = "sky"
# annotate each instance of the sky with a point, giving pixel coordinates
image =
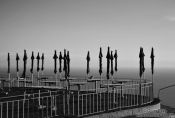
(81, 25)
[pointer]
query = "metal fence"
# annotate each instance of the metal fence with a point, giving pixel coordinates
(63, 103)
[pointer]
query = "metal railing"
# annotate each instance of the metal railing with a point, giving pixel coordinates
(49, 104)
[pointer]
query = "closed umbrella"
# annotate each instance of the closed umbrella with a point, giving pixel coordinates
(65, 64)
(42, 59)
(108, 62)
(60, 62)
(142, 69)
(38, 58)
(112, 58)
(152, 70)
(115, 57)
(88, 60)
(100, 62)
(55, 57)
(68, 64)
(32, 62)
(8, 59)
(38, 68)
(17, 63)
(25, 64)
(17, 67)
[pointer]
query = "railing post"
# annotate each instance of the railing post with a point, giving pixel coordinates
(7, 109)
(73, 105)
(1, 108)
(78, 103)
(64, 103)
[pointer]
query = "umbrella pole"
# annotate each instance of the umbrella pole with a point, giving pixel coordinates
(17, 74)
(32, 78)
(140, 92)
(152, 87)
(9, 80)
(56, 79)
(38, 77)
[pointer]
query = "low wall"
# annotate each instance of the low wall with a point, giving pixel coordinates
(128, 112)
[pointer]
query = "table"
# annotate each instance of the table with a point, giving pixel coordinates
(49, 82)
(79, 84)
(94, 80)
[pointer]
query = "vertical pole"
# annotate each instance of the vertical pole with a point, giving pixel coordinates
(7, 110)
(13, 109)
(78, 103)
(1, 108)
(73, 105)
(32, 79)
(152, 87)
(38, 78)
(9, 81)
(17, 74)
(64, 104)
(96, 86)
(18, 108)
(56, 80)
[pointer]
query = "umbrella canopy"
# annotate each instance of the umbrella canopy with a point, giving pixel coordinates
(108, 62)
(55, 57)
(32, 62)
(68, 64)
(100, 61)
(115, 57)
(65, 63)
(88, 60)
(25, 63)
(60, 62)
(38, 58)
(8, 59)
(152, 60)
(112, 58)
(17, 60)
(42, 59)
(141, 56)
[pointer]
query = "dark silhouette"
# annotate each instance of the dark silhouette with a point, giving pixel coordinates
(42, 59)
(60, 62)
(38, 58)
(32, 62)
(68, 64)
(55, 57)
(8, 59)
(115, 57)
(25, 63)
(141, 56)
(65, 64)
(108, 62)
(152, 60)
(17, 60)
(112, 58)
(100, 61)
(88, 60)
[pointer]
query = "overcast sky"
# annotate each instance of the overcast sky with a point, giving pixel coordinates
(82, 25)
